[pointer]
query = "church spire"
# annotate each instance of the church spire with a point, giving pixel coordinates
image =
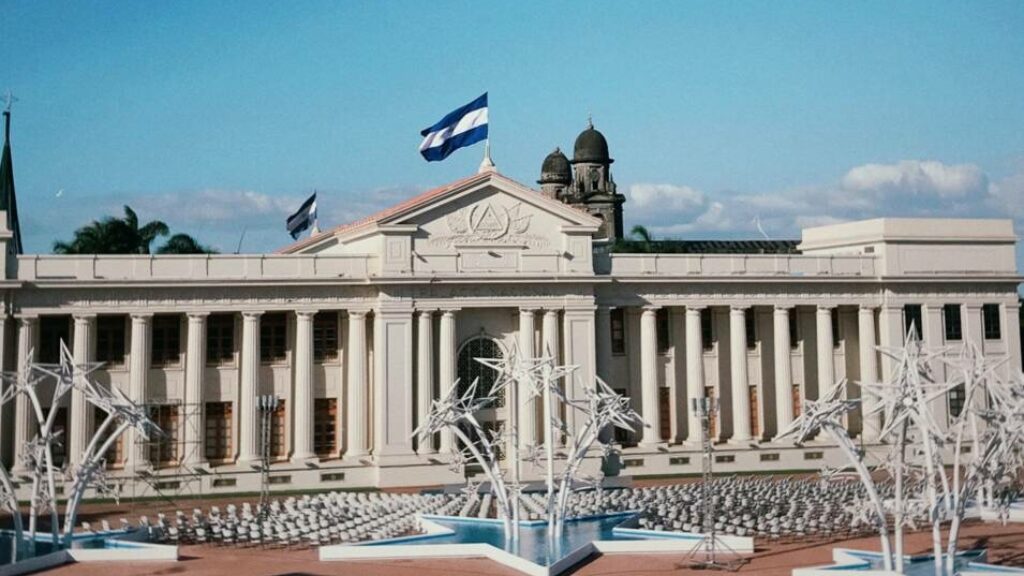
(8, 200)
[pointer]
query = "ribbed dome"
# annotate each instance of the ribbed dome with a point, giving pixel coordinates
(591, 147)
(555, 169)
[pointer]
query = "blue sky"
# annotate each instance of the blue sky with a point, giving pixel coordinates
(221, 116)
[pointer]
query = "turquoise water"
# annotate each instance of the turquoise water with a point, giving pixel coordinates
(43, 546)
(533, 541)
(917, 565)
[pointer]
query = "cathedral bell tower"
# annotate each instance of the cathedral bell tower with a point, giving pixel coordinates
(586, 182)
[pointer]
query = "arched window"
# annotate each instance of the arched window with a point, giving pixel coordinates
(470, 369)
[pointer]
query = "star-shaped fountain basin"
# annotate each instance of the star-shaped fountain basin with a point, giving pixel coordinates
(454, 537)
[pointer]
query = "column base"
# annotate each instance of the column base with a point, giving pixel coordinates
(740, 441)
(355, 456)
(249, 461)
(308, 459)
(653, 446)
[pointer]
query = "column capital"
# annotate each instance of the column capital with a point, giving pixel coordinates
(783, 308)
(527, 310)
(969, 306)
(84, 317)
(867, 308)
(359, 313)
(739, 308)
(197, 316)
(426, 312)
(252, 314)
(695, 308)
(449, 312)
(27, 319)
(142, 316)
(829, 307)
(552, 311)
(650, 308)
(306, 313)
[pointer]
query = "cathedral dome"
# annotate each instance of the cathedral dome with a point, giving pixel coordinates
(591, 147)
(555, 169)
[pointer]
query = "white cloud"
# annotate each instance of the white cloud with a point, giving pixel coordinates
(665, 197)
(907, 188)
(917, 177)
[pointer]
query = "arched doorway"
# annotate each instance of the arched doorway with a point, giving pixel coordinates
(492, 415)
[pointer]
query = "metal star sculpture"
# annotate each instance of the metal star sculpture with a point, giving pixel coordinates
(37, 454)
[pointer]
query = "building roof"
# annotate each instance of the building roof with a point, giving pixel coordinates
(707, 247)
(8, 201)
(591, 146)
(421, 200)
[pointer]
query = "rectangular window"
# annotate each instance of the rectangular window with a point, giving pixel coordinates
(664, 412)
(166, 346)
(725, 458)
(273, 337)
(163, 449)
(912, 319)
(678, 461)
(750, 320)
(794, 330)
(836, 336)
(218, 431)
(325, 336)
(325, 426)
(957, 397)
(663, 329)
(220, 338)
(60, 448)
(707, 333)
(951, 322)
(623, 437)
(770, 457)
(813, 455)
(618, 331)
(116, 452)
(755, 410)
(110, 339)
(278, 441)
(53, 330)
(709, 392)
(990, 317)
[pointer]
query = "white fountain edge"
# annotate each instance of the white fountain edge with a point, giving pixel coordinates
(850, 562)
(393, 549)
(138, 552)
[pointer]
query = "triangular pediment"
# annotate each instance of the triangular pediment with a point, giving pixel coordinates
(484, 210)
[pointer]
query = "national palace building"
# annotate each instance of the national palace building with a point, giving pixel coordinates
(358, 328)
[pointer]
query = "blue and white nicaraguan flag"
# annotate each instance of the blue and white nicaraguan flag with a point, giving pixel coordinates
(303, 218)
(461, 127)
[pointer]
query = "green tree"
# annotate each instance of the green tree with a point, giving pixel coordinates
(640, 235)
(113, 235)
(184, 244)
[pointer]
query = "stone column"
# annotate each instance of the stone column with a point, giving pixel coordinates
(603, 322)
(6, 447)
(552, 347)
(649, 376)
(424, 376)
(826, 366)
(783, 369)
(890, 324)
(393, 382)
(356, 444)
(302, 401)
(527, 403)
(868, 373)
(81, 416)
(738, 373)
(138, 377)
(446, 368)
(195, 366)
(25, 424)
(248, 418)
(578, 350)
(1011, 335)
(694, 371)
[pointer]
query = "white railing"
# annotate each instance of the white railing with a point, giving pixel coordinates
(741, 265)
(211, 267)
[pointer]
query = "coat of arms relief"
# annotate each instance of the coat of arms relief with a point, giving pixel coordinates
(489, 223)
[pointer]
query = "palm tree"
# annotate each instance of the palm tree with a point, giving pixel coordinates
(643, 237)
(184, 244)
(112, 235)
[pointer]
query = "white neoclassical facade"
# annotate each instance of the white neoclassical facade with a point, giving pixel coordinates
(357, 329)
